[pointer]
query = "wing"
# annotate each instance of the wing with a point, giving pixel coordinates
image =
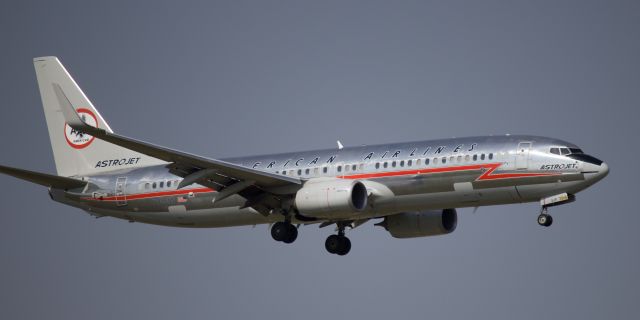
(47, 180)
(262, 190)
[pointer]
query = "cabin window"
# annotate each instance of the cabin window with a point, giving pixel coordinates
(475, 157)
(426, 161)
(147, 186)
(284, 173)
(459, 158)
(324, 169)
(377, 165)
(339, 168)
(490, 156)
(435, 160)
(169, 184)
(299, 172)
(402, 163)
(482, 156)
(306, 172)
(444, 160)
(153, 185)
(354, 167)
(409, 163)
(393, 164)
(466, 158)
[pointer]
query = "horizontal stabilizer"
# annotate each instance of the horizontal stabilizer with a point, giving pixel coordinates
(47, 180)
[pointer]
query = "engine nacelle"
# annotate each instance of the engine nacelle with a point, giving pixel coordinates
(331, 198)
(421, 224)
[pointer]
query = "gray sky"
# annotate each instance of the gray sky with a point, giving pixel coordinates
(248, 77)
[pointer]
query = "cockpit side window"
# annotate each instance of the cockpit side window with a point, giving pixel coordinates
(575, 151)
(555, 151)
(565, 151)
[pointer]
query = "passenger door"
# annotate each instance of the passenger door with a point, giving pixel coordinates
(522, 155)
(121, 196)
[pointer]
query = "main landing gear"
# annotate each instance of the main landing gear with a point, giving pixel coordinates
(284, 231)
(338, 243)
(545, 219)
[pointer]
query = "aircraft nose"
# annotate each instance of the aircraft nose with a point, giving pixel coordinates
(603, 171)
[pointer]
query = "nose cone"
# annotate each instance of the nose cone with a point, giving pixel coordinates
(596, 172)
(603, 171)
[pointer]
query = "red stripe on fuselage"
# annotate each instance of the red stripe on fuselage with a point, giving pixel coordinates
(154, 194)
(487, 175)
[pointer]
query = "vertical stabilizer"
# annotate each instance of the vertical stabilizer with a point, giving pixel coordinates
(76, 153)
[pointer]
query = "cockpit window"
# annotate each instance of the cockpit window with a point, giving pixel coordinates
(565, 151)
(575, 151)
(555, 151)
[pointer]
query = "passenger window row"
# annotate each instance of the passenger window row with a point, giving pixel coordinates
(160, 184)
(390, 164)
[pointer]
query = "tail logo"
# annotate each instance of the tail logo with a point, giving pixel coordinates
(77, 139)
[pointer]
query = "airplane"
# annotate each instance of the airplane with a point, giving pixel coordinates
(413, 187)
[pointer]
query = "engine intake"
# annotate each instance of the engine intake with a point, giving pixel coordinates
(331, 198)
(421, 224)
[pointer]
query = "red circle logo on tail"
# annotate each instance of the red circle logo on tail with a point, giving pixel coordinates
(77, 139)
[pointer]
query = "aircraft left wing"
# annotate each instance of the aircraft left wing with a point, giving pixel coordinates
(225, 177)
(43, 179)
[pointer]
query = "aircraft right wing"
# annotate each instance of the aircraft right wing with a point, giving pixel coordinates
(261, 189)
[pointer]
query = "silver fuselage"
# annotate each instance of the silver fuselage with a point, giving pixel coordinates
(402, 177)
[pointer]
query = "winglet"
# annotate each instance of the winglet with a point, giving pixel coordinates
(70, 115)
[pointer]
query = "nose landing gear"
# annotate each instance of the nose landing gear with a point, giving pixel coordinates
(545, 219)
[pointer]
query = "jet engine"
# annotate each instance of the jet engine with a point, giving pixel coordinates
(331, 198)
(421, 224)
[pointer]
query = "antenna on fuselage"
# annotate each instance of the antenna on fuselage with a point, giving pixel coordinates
(340, 146)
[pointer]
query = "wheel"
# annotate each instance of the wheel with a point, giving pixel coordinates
(545, 220)
(291, 234)
(345, 246)
(332, 244)
(279, 231)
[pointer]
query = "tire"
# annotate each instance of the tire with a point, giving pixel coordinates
(279, 231)
(345, 246)
(545, 220)
(332, 244)
(291, 234)
(549, 221)
(542, 220)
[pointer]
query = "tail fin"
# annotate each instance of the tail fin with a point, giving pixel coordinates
(76, 153)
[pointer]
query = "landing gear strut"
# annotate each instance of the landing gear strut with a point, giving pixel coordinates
(338, 243)
(544, 219)
(284, 231)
